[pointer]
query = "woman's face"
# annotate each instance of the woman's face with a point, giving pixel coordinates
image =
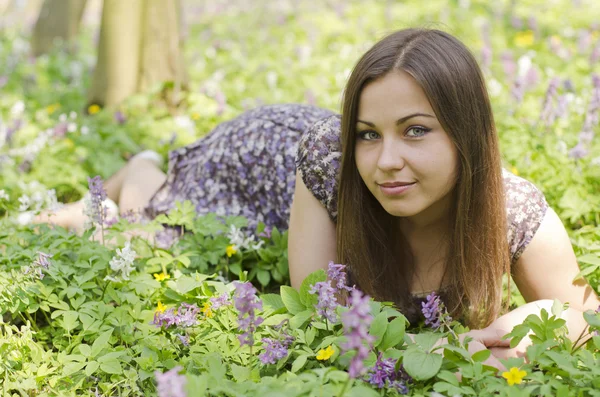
(400, 140)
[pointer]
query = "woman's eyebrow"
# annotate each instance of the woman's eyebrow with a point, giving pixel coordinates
(400, 120)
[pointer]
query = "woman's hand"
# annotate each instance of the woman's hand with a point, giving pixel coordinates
(488, 338)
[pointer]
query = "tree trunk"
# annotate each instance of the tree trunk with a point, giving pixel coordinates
(139, 49)
(58, 20)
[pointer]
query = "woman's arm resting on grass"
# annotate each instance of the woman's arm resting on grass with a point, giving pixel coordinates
(547, 271)
(311, 235)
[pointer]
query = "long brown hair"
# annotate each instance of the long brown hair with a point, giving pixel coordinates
(368, 238)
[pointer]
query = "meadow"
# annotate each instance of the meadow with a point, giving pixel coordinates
(180, 318)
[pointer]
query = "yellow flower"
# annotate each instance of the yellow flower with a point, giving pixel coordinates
(514, 170)
(69, 143)
(325, 354)
(160, 307)
(206, 309)
(52, 108)
(524, 39)
(231, 250)
(195, 116)
(514, 376)
(161, 276)
(93, 109)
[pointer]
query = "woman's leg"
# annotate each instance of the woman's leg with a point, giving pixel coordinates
(142, 179)
(131, 187)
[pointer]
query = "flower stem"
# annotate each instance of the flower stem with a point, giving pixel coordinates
(345, 386)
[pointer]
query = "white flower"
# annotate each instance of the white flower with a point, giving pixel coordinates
(62, 118)
(25, 202)
(17, 109)
(494, 87)
(240, 241)
(85, 130)
(123, 261)
(72, 127)
(3, 195)
(72, 115)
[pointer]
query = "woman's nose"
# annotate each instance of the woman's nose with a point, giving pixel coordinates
(392, 155)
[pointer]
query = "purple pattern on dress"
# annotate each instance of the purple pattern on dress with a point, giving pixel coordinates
(244, 166)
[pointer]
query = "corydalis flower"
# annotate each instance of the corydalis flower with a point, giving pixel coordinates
(246, 302)
(384, 374)
(327, 291)
(94, 208)
(219, 301)
(274, 351)
(434, 311)
(356, 322)
(122, 263)
(186, 316)
(40, 263)
(171, 383)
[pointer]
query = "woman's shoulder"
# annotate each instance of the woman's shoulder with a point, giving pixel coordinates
(318, 160)
(525, 210)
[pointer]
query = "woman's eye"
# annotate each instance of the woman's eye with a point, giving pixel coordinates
(417, 132)
(368, 135)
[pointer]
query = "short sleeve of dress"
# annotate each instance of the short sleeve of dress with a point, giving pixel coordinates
(525, 210)
(318, 161)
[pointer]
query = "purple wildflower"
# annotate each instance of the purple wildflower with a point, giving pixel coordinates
(274, 351)
(40, 263)
(548, 112)
(170, 384)
(434, 311)
(327, 290)
(327, 302)
(219, 301)
(578, 151)
(356, 322)
(165, 319)
(184, 339)
(384, 374)
(337, 275)
(246, 302)
(42, 260)
(94, 207)
(266, 233)
(120, 117)
(165, 238)
(186, 316)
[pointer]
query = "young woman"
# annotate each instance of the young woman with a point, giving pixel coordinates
(406, 188)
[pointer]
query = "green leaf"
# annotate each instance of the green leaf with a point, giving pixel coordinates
(91, 368)
(421, 365)
(70, 320)
(448, 377)
(299, 319)
(427, 340)
(264, 277)
(481, 355)
(394, 333)
(291, 299)
(240, 374)
(362, 391)
(378, 328)
(86, 350)
(299, 363)
(101, 342)
(112, 367)
(557, 308)
(186, 284)
(591, 318)
(72, 367)
(306, 297)
(273, 301)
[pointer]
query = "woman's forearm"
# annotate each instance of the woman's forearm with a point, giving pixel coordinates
(576, 324)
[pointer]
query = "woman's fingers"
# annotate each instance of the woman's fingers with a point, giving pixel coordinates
(490, 337)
